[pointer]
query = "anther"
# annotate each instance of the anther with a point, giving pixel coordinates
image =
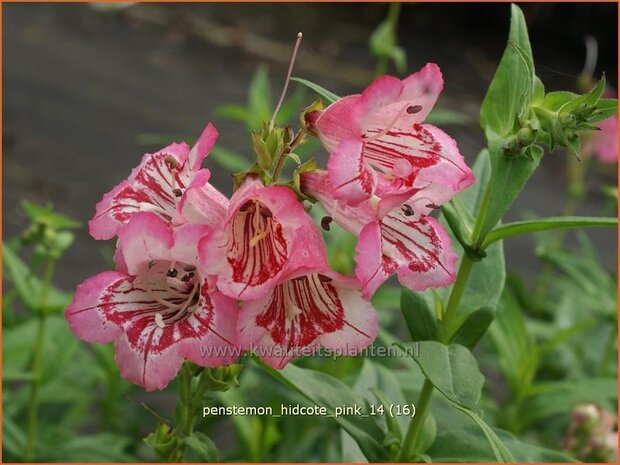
(172, 273)
(433, 206)
(407, 210)
(191, 274)
(308, 207)
(159, 320)
(325, 221)
(171, 162)
(189, 267)
(177, 192)
(186, 277)
(412, 110)
(249, 206)
(264, 212)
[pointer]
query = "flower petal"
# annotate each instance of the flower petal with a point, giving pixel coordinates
(298, 315)
(143, 239)
(202, 203)
(215, 344)
(202, 147)
(450, 170)
(350, 179)
(416, 248)
(149, 188)
(340, 121)
(267, 235)
(86, 313)
(409, 101)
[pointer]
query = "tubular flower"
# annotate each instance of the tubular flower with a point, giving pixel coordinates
(266, 234)
(406, 241)
(157, 308)
(305, 312)
(604, 144)
(156, 185)
(380, 148)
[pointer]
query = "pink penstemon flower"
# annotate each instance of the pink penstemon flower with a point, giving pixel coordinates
(158, 185)
(158, 308)
(266, 234)
(379, 147)
(306, 311)
(406, 240)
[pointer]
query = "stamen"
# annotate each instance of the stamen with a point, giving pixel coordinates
(149, 207)
(172, 273)
(291, 309)
(186, 278)
(392, 123)
(171, 162)
(189, 268)
(433, 206)
(159, 320)
(258, 237)
(177, 192)
(264, 212)
(412, 110)
(325, 221)
(407, 210)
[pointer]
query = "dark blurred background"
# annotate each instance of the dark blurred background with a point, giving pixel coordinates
(80, 85)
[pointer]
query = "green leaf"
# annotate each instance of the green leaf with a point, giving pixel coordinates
(442, 116)
(500, 451)
(382, 40)
(202, 447)
(13, 438)
(465, 443)
(233, 111)
(517, 354)
(453, 371)
(59, 342)
(509, 175)
(228, 159)
(512, 87)
(605, 107)
(559, 397)
(29, 287)
(259, 99)
(419, 315)
(486, 281)
(101, 447)
(323, 390)
(46, 215)
(474, 327)
(326, 94)
(545, 224)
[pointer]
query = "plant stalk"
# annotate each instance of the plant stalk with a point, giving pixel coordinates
(35, 383)
(415, 425)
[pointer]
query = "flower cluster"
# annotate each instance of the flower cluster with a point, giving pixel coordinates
(203, 277)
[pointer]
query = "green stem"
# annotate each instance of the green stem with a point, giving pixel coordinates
(297, 140)
(393, 14)
(415, 426)
(609, 352)
(33, 404)
(455, 297)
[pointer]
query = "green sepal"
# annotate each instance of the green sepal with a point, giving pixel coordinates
(295, 183)
(163, 441)
(263, 155)
(317, 105)
(239, 177)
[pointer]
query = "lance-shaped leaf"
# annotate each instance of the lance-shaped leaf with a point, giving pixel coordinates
(325, 391)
